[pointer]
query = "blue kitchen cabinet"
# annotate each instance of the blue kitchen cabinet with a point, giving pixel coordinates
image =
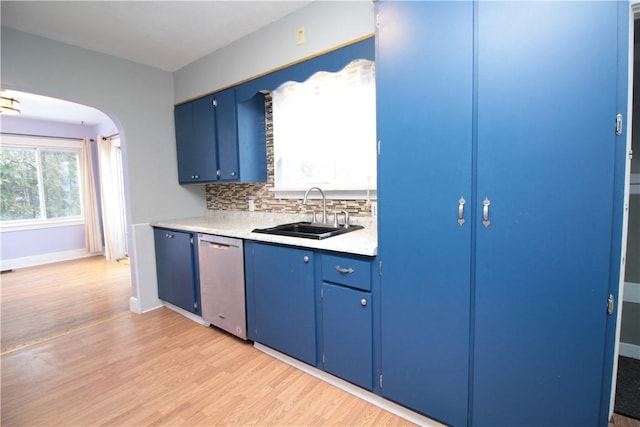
(347, 344)
(176, 269)
(210, 145)
(547, 100)
(281, 299)
(424, 75)
(196, 141)
(500, 239)
(347, 317)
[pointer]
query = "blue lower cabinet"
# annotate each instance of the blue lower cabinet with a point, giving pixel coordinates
(347, 334)
(282, 300)
(176, 268)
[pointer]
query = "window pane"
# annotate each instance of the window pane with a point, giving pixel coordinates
(19, 195)
(61, 183)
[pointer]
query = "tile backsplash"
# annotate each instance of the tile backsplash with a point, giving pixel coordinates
(231, 196)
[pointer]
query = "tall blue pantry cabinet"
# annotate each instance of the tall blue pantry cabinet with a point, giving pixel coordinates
(500, 216)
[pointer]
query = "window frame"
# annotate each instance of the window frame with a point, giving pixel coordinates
(39, 144)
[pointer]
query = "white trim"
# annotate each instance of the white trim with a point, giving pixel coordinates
(134, 305)
(634, 12)
(296, 193)
(35, 260)
(8, 226)
(186, 314)
(630, 350)
(372, 398)
(30, 141)
(631, 292)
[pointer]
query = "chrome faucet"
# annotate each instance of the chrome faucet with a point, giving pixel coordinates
(324, 202)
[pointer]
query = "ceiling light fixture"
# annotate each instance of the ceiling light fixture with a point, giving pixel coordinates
(9, 106)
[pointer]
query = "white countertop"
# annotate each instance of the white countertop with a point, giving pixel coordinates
(239, 224)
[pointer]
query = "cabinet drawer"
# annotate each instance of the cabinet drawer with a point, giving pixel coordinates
(352, 272)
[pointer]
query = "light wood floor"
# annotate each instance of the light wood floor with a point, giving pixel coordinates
(44, 302)
(74, 355)
(159, 368)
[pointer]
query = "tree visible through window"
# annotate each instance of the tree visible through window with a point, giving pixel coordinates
(39, 184)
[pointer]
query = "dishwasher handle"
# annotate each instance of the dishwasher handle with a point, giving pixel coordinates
(209, 241)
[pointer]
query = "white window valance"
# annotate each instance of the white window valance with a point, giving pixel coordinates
(325, 130)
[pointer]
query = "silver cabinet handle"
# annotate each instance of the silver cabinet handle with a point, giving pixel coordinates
(305, 259)
(344, 270)
(168, 236)
(461, 211)
(363, 302)
(485, 212)
(233, 174)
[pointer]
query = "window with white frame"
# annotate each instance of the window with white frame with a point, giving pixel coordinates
(324, 132)
(39, 181)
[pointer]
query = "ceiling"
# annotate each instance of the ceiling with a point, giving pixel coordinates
(162, 34)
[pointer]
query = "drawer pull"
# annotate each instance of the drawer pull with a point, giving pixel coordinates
(344, 270)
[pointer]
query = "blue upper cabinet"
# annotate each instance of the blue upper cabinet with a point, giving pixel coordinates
(424, 74)
(196, 149)
(220, 140)
(499, 207)
(227, 135)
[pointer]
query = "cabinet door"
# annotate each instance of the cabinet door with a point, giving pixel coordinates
(424, 96)
(227, 135)
(183, 116)
(205, 156)
(284, 301)
(546, 143)
(175, 269)
(346, 334)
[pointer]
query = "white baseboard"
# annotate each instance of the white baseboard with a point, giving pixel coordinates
(631, 292)
(186, 314)
(35, 260)
(629, 350)
(134, 305)
(370, 397)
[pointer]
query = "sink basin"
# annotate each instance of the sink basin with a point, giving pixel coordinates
(307, 230)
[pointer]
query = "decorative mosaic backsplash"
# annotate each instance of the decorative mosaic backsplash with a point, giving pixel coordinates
(231, 196)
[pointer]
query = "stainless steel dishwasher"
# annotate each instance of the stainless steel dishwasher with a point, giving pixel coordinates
(222, 283)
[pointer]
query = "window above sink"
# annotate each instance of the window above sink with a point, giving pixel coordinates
(324, 132)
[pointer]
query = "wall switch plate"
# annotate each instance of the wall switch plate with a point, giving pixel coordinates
(252, 205)
(300, 35)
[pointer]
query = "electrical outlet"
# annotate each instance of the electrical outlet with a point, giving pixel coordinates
(252, 205)
(374, 209)
(300, 35)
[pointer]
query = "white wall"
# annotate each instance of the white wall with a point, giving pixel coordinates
(327, 24)
(139, 100)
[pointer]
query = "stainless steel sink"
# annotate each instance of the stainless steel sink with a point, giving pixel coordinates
(307, 230)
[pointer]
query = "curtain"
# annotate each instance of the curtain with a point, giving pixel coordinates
(93, 235)
(324, 130)
(112, 190)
